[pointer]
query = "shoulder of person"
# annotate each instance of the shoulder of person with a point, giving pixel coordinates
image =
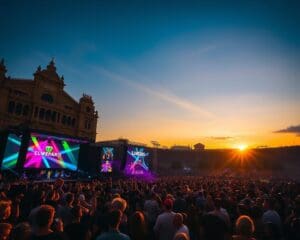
(102, 236)
(58, 236)
(51, 236)
(124, 236)
(185, 227)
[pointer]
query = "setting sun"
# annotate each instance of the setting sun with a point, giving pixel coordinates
(242, 147)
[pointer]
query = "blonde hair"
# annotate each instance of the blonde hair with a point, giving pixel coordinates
(4, 208)
(244, 225)
(119, 203)
(181, 236)
(178, 220)
(5, 228)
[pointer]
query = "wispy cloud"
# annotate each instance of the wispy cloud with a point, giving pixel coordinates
(262, 146)
(291, 129)
(221, 138)
(165, 96)
(203, 50)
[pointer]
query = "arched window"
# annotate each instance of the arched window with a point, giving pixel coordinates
(11, 106)
(87, 124)
(41, 113)
(48, 115)
(19, 108)
(36, 110)
(88, 109)
(64, 120)
(53, 117)
(25, 110)
(69, 121)
(73, 122)
(47, 98)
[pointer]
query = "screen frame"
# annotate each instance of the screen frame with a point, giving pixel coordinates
(5, 144)
(59, 138)
(114, 160)
(148, 157)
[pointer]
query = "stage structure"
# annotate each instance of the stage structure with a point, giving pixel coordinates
(124, 157)
(33, 150)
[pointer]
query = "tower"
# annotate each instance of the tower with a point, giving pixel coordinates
(88, 116)
(2, 70)
(48, 77)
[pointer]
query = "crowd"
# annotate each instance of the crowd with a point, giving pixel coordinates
(168, 208)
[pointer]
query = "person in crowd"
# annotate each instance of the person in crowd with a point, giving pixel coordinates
(59, 184)
(77, 230)
(21, 231)
(5, 210)
(114, 220)
(5, 229)
(52, 198)
(181, 236)
(151, 209)
(137, 226)
(294, 230)
(41, 219)
(221, 212)
(119, 203)
(64, 211)
(292, 222)
(164, 228)
(271, 215)
(244, 228)
(271, 231)
(200, 200)
(180, 227)
(213, 227)
(57, 225)
(256, 215)
(179, 203)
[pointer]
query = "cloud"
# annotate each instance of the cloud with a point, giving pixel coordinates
(262, 146)
(222, 138)
(291, 129)
(203, 50)
(166, 96)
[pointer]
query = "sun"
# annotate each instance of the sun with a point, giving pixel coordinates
(242, 147)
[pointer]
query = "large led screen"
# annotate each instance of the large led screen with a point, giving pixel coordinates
(11, 153)
(107, 158)
(137, 161)
(46, 151)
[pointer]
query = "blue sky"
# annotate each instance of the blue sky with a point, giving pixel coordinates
(172, 71)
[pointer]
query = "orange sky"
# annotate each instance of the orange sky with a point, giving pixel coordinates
(270, 140)
(251, 126)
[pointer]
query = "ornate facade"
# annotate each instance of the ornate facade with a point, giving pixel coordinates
(42, 104)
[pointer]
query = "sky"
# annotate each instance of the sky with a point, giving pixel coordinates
(222, 73)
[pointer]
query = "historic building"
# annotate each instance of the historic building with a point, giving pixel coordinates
(42, 104)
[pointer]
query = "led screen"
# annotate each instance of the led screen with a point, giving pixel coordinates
(11, 153)
(46, 151)
(107, 157)
(137, 161)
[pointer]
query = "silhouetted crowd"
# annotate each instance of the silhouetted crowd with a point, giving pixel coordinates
(168, 208)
